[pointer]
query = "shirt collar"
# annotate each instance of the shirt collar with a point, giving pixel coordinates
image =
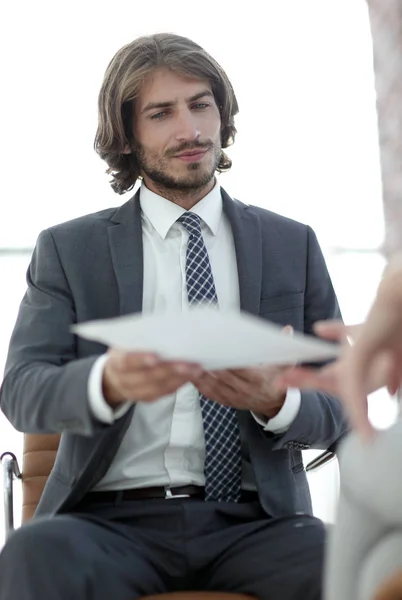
(162, 213)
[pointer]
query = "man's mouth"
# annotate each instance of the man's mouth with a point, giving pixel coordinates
(195, 154)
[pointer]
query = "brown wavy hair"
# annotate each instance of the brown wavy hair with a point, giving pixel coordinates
(122, 84)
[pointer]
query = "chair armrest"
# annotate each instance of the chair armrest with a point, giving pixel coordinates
(391, 589)
(10, 470)
(320, 461)
(325, 457)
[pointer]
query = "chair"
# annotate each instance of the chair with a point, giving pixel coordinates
(39, 453)
(391, 589)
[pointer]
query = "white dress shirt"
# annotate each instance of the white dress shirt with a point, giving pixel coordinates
(164, 444)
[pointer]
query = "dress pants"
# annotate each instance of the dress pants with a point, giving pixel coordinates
(126, 550)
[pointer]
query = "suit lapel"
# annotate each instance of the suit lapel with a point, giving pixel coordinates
(248, 246)
(125, 240)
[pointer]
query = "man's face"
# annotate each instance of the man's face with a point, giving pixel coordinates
(177, 131)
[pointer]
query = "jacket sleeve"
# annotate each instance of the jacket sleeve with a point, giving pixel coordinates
(45, 386)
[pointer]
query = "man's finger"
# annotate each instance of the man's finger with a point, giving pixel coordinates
(232, 380)
(217, 391)
(296, 376)
(151, 391)
(160, 373)
(304, 378)
(125, 361)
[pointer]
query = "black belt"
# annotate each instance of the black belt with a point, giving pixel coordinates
(153, 493)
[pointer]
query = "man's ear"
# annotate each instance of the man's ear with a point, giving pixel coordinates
(127, 149)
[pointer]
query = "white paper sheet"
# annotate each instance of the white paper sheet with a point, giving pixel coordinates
(216, 340)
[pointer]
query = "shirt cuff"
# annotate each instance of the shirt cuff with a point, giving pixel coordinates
(285, 417)
(98, 405)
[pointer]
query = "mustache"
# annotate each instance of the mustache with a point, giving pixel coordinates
(189, 146)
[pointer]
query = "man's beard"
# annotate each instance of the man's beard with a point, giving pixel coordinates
(197, 178)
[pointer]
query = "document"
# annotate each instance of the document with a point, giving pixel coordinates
(214, 339)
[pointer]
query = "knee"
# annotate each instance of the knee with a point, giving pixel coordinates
(299, 574)
(292, 583)
(309, 565)
(309, 579)
(314, 583)
(35, 539)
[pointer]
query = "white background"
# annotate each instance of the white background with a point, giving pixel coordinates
(306, 147)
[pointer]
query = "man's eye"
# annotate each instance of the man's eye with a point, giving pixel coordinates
(201, 105)
(159, 115)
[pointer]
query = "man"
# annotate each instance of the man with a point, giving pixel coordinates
(167, 477)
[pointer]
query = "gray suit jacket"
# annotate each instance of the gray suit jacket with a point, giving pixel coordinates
(92, 268)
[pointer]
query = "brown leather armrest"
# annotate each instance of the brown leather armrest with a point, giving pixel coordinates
(392, 589)
(10, 470)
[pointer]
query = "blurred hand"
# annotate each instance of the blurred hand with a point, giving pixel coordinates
(328, 378)
(380, 339)
(143, 377)
(339, 377)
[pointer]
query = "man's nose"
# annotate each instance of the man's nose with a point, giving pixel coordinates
(187, 128)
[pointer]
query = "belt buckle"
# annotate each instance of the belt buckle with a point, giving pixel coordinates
(170, 496)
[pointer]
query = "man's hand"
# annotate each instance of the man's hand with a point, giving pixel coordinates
(252, 389)
(143, 377)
